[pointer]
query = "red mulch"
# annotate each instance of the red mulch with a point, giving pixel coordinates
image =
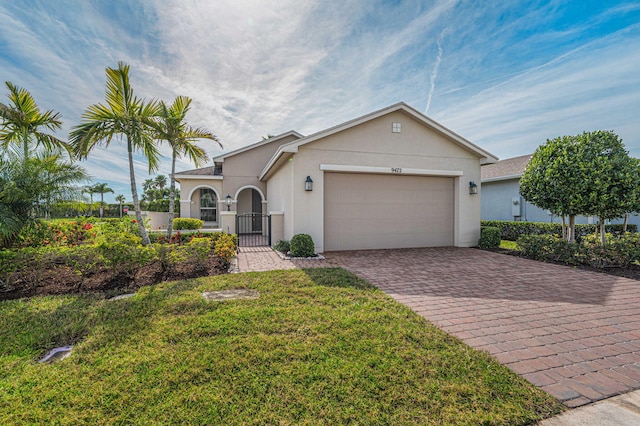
(61, 279)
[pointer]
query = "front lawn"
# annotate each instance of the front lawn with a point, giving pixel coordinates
(319, 346)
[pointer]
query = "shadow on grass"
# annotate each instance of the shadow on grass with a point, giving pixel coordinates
(337, 277)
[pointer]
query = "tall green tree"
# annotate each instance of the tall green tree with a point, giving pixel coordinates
(101, 188)
(123, 115)
(24, 128)
(554, 180)
(611, 177)
(120, 199)
(181, 137)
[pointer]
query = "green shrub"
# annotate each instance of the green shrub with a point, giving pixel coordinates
(226, 246)
(301, 245)
(512, 230)
(181, 223)
(282, 246)
(489, 237)
(195, 252)
(549, 248)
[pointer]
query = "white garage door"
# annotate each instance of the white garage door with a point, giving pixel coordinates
(369, 211)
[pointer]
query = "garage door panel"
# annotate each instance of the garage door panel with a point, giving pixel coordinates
(366, 211)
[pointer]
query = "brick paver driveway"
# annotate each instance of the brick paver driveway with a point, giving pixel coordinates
(574, 333)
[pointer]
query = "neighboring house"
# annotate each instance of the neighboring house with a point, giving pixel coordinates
(501, 199)
(390, 179)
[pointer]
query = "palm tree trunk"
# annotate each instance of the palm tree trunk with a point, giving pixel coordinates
(120, 209)
(134, 194)
(172, 195)
(101, 204)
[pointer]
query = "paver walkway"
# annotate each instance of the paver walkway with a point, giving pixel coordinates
(574, 333)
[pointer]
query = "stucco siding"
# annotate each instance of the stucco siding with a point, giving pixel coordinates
(279, 188)
(374, 144)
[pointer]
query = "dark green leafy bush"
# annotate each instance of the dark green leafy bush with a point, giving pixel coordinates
(181, 223)
(489, 237)
(302, 246)
(283, 246)
(616, 252)
(512, 230)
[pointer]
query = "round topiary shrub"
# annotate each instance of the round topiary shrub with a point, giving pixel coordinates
(302, 246)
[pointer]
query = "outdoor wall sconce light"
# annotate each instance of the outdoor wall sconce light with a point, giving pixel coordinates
(473, 187)
(308, 184)
(228, 201)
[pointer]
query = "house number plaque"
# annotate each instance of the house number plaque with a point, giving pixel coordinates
(396, 170)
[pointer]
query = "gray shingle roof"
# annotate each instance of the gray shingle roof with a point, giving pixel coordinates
(211, 170)
(509, 167)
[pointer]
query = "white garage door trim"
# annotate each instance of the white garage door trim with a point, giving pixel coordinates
(376, 211)
(389, 170)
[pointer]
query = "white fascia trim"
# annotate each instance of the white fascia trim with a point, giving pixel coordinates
(292, 147)
(499, 178)
(212, 177)
(389, 170)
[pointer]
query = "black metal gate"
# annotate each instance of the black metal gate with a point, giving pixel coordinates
(253, 229)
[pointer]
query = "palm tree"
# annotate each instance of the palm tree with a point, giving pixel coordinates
(57, 181)
(120, 199)
(101, 188)
(23, 126)
(89, 190)
(36, 184)
(160, 181)
(126, 115)
(181, 137)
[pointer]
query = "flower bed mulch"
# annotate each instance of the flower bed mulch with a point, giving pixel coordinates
(61, 279)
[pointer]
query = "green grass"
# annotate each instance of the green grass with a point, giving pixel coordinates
(319, 346)
(509, 245)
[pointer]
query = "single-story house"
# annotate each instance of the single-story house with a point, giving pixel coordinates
(501, 199)
(393, 178)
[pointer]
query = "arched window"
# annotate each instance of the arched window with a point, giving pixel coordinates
(208, 205)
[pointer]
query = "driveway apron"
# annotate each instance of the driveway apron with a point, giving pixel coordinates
(574, 333)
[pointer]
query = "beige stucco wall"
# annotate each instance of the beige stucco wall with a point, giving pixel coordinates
(280, 190)
(374, 144)
(189, 201)
(242, 170)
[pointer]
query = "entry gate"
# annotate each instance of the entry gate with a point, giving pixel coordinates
(253, 229)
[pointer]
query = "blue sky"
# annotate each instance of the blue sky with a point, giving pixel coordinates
(506, 75)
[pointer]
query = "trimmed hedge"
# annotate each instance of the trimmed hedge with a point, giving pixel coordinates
(620, 251)
(511, 230)
(181, 223)
(489, 237)
(302, 246)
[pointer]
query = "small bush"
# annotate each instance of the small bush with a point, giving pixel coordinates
(302, 246)
(226, 246)
(283, 246)
(181, 223)
(549, 248)
(489, 237)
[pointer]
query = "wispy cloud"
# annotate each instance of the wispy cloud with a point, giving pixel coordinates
(434, 71)
(507, 76)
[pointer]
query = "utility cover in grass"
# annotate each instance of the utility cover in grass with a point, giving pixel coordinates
(122, 296)
(57, 354)
(239, 293)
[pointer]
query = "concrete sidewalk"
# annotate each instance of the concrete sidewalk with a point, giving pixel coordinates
(622, 410)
